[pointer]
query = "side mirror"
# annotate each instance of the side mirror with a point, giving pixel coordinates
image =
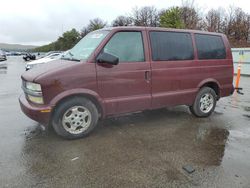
(108, 58)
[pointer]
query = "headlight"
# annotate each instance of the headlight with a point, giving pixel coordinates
(33, 86)
(33, 92)
(34, 99)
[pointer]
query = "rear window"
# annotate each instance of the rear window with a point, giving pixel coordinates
(171, 46)
(210, 47)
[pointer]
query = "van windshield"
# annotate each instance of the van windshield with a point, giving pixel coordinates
(85, 47)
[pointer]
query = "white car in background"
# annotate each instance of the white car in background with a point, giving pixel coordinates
(46, 59)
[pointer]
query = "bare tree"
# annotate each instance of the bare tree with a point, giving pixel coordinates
(229, 19)
(93, 25)
(241, 25)
(145, 16)
(247, 36)
(190, 15)
(122, 21)
(214, 20)
(84, 32)
(237, 26)
(96, 24)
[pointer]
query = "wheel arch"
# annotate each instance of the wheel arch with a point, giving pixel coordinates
(91, 95)
(212, 83)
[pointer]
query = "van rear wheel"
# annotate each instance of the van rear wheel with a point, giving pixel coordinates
(204, 103)
(75, 118)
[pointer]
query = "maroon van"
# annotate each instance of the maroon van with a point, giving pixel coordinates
(126, 69)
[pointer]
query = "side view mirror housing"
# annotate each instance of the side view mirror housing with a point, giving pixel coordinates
(107, 58)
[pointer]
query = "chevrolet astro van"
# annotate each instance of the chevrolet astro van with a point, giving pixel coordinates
(120, 70)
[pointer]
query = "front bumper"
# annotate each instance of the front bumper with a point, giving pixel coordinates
(39, 113)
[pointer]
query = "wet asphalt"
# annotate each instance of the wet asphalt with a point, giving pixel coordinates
(147, 149)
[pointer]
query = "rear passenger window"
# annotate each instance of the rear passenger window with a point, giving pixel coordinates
(171, 46)
(210, 47)
(127, 46)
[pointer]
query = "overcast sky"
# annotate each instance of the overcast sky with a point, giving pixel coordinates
(39, 22)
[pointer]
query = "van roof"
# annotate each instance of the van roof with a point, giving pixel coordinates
(134, 28)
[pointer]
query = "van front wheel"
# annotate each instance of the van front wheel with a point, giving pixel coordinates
(75, 118)
(204, 103)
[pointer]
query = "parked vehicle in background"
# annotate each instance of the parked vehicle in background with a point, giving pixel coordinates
(49, 53)
(14, 53)
(29, 57)
(3, 56)
(126, 69)
(8, 53)
(42, 61)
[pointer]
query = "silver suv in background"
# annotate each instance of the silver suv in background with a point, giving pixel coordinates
(2, 56)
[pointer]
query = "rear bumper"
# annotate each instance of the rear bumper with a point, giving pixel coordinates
(37, 113)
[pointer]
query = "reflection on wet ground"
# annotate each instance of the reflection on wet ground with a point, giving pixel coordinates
(145, 149)
(3, 68)
(148, 149)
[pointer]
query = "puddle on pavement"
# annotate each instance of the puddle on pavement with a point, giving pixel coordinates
(32, 132)
(214, 141)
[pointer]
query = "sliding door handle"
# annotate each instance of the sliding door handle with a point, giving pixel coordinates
(147, 76)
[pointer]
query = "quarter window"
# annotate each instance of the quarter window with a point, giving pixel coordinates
(210, 47)
(127, 46)
(171, 46)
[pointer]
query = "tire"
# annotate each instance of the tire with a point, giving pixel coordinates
(75, 118)
(204, 103)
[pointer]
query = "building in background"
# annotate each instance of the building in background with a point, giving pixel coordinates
(245, 68)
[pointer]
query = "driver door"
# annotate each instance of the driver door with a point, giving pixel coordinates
(125, 87)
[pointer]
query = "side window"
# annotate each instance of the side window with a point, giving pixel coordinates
(127, 46)
(210, 47)
(171, 46)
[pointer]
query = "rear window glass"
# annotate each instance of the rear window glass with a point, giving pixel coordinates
(171, 46)
(210, 47)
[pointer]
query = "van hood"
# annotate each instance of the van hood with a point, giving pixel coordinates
(52, 66)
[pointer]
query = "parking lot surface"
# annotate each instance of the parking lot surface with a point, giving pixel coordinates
(147, 149)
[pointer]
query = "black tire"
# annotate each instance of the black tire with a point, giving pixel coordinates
(196, 110)
(60, 111)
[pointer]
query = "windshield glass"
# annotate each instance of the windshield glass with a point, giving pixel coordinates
(85, 47)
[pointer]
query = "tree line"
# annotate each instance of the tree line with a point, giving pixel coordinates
(233, 22)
